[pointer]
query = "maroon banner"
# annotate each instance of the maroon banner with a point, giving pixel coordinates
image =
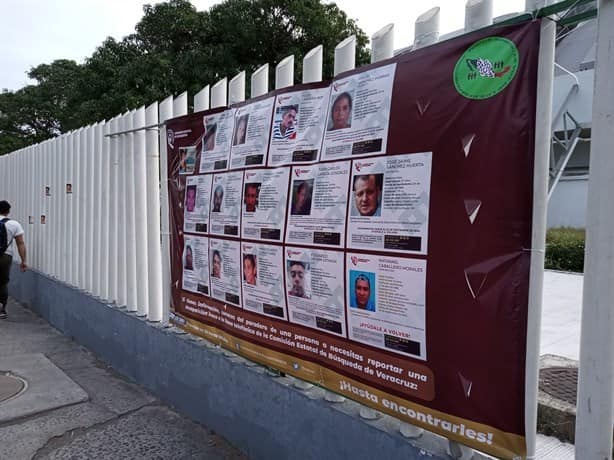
(372, 234)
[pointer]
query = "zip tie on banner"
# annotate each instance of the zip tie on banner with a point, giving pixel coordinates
(543, 251)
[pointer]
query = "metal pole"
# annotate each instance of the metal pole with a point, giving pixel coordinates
(426, 29)
(543, 136)
(596, 380)
(284, 73)
(312, 65)
(345, 55)
(201, 100)
(260, 81)
(140, 184)
(154, 253)
(218, 95)
(382, 43)
(236, 88)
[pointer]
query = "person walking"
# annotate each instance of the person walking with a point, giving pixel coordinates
(9, 230)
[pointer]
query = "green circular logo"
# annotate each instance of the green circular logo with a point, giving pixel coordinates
(486, 68)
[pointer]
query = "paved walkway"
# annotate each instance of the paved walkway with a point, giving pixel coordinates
(119, 420)
(103, 416)
(561, 314)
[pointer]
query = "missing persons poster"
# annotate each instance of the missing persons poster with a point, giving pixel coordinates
(250, 138)
(299, 119)
(392, 269)
(217, 137)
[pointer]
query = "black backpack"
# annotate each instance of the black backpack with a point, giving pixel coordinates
(4, 236)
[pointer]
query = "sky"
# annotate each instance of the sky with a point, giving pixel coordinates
(34, 32)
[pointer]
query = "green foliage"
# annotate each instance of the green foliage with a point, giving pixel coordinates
(174, 48)
(565, 249)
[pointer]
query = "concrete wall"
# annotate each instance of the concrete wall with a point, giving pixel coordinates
(265, 416)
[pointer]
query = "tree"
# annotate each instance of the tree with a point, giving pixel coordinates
(174, 48)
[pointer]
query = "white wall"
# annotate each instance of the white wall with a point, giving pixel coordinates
(567, 206)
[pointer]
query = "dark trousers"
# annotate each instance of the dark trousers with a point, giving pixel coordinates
(5, 271)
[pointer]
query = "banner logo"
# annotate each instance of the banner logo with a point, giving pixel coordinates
(170, 138)
(486, 68)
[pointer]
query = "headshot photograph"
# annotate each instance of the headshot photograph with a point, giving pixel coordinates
(240, 130)
(297, 275)
(302, 191)
(362, 290)
(250, 196)
(217, 199)
(341, 112)
(188, 259)
(216, 264)
(285, 125)
(209, 139)
(187, 160)
(367, 195)
(250, 271)
(190, 198)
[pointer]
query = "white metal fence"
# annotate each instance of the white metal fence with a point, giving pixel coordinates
(96, 212)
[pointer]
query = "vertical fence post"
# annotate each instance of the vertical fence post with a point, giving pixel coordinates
(218, 93)
(154, 253)
(82, 192)
(382, 44)
(132, 299)
(595, 404)
(140, 203)
(345, 55)
(426, 29)
(236, 88)
(91, 175)
(478, 14)
(312, 65)
(105, 191)
(201, 101)
(284, 73)
(122, 296)
(166, 112)
(114, 205)
(260, 81)
(74, 217)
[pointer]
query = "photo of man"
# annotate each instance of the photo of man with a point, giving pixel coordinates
(367, 190)
(216, 264)
(218, 198)
(250, 271)
(190, 198)
(341, 112)
(297, 272)
(285, 128)
(240, 130)
(250, 196)
(301, 197)
(362, 295)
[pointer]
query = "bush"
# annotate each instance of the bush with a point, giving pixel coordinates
(565, 249)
